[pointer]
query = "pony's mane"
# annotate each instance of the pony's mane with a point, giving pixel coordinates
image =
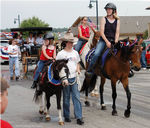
(58, 65)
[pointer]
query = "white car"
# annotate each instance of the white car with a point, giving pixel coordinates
(4, 56)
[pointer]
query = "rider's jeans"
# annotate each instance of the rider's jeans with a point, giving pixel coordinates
(39, 69)
(12, 61)
(143, 59)
(98, 51)
(79, 44)
(72, 90)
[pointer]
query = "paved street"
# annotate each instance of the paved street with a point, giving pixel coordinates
(22, 112)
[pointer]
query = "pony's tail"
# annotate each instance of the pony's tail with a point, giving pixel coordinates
(36, 97)
(89, 84)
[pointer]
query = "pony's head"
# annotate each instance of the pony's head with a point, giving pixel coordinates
(61, 71)
(135, 54)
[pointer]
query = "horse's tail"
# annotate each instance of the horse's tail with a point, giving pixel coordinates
(36, 97)
(89, 84)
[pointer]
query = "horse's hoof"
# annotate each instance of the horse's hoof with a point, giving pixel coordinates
(127, 113)
(114, 113)
(48, 118)
(41, 112)
(87, 103)
(61, 123)
(92, 94)
(97, 95)
(103, 108)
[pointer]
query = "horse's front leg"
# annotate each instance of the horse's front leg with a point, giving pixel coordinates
(128, 93)
(58, 97)
(41, 111)
(114, 96)
(47, 117)
(101, 90)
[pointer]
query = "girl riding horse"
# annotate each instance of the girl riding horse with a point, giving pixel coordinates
(109, 29)
(48, 53)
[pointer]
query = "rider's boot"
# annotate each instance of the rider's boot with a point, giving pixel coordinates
(34, 84)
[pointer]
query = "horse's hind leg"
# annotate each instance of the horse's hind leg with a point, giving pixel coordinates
(128, 93)
(87, 103)
(47, 107)
(101, 90)
(41, 104)
(58, 97)
(114, 96)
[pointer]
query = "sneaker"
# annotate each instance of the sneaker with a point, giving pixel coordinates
(67, 120)
(80, 122)
(34, 85)
(144, 68)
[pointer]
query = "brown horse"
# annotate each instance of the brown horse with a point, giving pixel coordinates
(119, 72)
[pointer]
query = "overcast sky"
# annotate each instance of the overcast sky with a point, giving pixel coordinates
(62, 13)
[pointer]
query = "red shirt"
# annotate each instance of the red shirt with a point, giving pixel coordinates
(5, 124)
(84, 31)
(49, 52)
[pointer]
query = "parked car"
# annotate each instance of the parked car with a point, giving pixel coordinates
(147, 42)
(4, 56)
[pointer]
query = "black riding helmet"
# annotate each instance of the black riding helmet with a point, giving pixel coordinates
(111, 6)
(49, 36)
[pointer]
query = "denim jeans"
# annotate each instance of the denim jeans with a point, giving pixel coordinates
(14, 61)
(143, 59)
(39, 69)
(80, 44)
(72, 90)
(98, 51)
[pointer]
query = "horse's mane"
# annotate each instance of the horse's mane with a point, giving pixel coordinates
(125, 50)
(58, 65)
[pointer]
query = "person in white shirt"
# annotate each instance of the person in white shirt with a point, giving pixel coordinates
(13, 51)
(39, 39)
(72, 89)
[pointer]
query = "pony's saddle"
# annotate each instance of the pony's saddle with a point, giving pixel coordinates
(105, 54)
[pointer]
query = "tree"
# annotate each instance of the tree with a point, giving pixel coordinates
(145, 35)
(33, 22)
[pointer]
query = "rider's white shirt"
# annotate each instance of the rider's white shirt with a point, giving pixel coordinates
(73, 58)
(39, 40)
(31, 41)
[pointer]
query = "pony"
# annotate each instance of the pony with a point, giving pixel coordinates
(50, 82)
(119, 72)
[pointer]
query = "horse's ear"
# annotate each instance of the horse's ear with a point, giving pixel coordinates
(140, 41)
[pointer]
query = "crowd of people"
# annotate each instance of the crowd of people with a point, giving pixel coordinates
(109, 28)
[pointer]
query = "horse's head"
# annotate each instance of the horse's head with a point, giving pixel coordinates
(135, 54)
(61, 71)
(96, 37)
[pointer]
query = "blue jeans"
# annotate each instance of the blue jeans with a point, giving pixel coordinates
(73, 90)
(143, 59)
(80, 44)
(39, 69)
(98, 51)
(14, 61)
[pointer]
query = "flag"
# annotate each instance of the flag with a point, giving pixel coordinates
(91, 23)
